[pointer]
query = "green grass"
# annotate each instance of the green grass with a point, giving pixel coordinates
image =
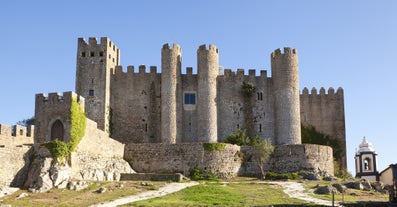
(219, 194)
(86, 197)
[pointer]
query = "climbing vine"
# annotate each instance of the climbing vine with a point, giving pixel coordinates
(77, 121)
(247, 90)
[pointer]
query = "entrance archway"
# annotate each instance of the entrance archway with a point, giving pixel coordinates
(57, 131)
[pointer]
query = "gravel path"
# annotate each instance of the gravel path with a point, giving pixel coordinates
(169, 188)
(296, 190)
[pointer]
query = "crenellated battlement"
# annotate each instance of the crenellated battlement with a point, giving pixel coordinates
(322, 92)
(93, 42)
(16, 135)
(118, 70)
(229, 73)
(287, 51)
(175, 47)
(56, 98)
(211, 48)
(16, 131)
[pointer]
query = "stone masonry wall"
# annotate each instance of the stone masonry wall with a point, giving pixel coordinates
(232, 161)
(181, 158)
(135, 104)
(325, 111)
(15, 153)
(292, 158)
(14, 165)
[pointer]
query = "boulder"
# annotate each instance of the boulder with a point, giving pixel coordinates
(339, 187)
(323, 190)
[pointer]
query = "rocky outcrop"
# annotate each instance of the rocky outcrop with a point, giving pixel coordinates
(46, 173)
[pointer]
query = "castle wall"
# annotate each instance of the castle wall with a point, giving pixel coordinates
(235, 112)
(189, 112)
(98, 157)
(325, 111)
(135, 105)
(292, 158)
(231, 161)
(14, 165)
(16, 135)
(15, 154)
(181, 158)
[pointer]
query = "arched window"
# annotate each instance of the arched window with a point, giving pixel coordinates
(367, 164)
(57, 131)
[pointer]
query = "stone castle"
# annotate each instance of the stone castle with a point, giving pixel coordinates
(162, 119)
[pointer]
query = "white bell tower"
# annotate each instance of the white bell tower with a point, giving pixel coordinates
(366, 163)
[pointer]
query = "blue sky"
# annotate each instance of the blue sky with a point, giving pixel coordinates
(350, 44)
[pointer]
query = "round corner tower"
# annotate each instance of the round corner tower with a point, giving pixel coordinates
(287, 125)
(208, 66)
(171, 61)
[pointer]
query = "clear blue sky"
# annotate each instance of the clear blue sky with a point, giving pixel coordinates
(350, 44)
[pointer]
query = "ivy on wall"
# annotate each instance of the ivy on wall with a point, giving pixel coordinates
(77, 120)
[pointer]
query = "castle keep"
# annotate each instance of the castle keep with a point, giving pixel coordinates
(158, 122)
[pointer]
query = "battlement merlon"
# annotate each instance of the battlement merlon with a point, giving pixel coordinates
(56, 98)
(16, 130)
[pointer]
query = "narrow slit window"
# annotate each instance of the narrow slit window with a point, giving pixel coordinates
(91, 92)
(92, 54)
(101, 54)
(83, 54)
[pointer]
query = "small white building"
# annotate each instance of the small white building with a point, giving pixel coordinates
(366, 163)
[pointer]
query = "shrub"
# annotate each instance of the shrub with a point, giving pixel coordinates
(214, 146)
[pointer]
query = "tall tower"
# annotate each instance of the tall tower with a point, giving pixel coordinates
(208, 65)
(171, 60)
(366, 166)
(287, 125)
(94, 64)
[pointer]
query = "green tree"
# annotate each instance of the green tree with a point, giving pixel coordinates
(261, 153)
(240, 138)
(26, 122)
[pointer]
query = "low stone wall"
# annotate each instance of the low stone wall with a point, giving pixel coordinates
(176, 177)
(14, 165)
(229, 162)
(98, 157)
(292, 158)
(98, 143)
(181, 158)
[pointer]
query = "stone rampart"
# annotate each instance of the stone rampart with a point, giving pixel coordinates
(98, 157)
(181, 158)
(16, 135)
(325, 111)
(14, 165)
(292, 158)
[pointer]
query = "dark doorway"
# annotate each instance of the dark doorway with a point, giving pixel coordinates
(57, 131)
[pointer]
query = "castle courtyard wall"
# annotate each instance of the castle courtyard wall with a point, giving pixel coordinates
(229, 162)
(181, 158)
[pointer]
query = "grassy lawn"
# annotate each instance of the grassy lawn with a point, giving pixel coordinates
(220, 194)
(239, 192)
(86, 197)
